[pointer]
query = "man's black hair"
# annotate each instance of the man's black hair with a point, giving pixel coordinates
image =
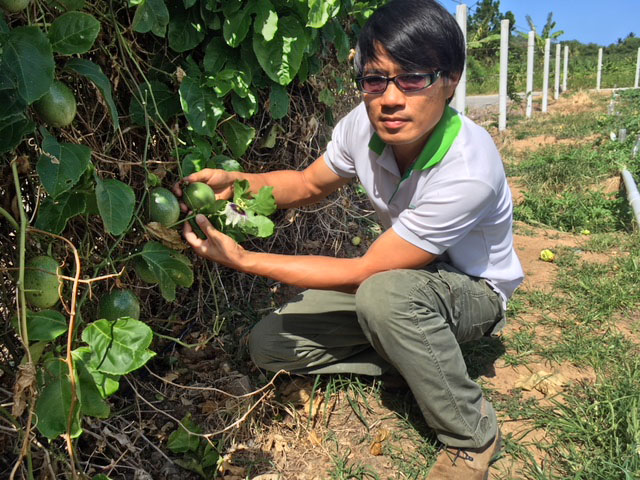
(420, 35)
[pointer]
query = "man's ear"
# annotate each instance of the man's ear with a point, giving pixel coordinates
(452, 81)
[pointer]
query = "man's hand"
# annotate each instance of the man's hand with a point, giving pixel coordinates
(220, 181)
(217, 247)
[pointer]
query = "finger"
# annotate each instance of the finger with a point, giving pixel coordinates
(200, 176)
(177, 189)
(191, 237)
(206, 226)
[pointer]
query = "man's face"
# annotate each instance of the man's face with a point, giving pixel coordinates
(405, 119)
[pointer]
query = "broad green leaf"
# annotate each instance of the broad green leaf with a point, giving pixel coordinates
(238, 136)
(278, 101)
(230, 6)
(118, 347)
(12, 131)
(186, 28)
(28, 59)
(54, 402)
(157, 99)
(170, 268)
(226, 163)
(4, 28)
(94, 73)
(215, 55)
(11, 103)
(151, 16)
(236, 26)
(327, 97)
(91, 401)
(264, 227)
(280, 58)
(201, 106)
(61, 165)
(116, 202)
(189, 3)
(320, 11)
(106, 384)
(73, 32)
(45, 325)
(334, 33)
(191, 163)
(55, 212)
(245, 107)
(264, 202)
(183, 440)
(269, 141)
(266, 22)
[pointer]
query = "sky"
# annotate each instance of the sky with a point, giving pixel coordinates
(588, 21)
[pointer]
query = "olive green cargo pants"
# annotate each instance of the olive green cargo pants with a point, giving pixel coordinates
(411, 320)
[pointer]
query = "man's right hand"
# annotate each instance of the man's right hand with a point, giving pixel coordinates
(220, 181)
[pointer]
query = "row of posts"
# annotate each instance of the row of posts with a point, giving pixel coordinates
(461, 91)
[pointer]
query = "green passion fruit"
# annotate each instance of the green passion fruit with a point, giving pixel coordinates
(199, 197)
(41, 281)
(163, 207)
(57, 107)
(14, 6)
(117, 304)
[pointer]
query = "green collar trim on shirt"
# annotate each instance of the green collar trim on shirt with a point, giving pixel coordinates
(437, 146)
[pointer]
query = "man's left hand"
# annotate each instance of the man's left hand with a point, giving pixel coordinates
(217, 246)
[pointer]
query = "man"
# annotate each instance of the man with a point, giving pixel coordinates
(444, 267)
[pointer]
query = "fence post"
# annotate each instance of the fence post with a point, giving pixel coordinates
(460, 99)
(566, 68)
(637, 70)
(504, 68)
(599, 76)
(556, 90)
(545, 78)
(530, 52)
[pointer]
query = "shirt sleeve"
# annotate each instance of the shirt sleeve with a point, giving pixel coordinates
(445, 214)
(337, 155)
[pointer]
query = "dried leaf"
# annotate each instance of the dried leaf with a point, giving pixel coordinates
(378, 442)
(168, 237)
(25, 382)
(314, 439)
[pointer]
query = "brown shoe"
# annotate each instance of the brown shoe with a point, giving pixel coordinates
(465, 464)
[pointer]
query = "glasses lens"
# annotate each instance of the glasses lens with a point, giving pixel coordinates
(413, 81)
(373, 84)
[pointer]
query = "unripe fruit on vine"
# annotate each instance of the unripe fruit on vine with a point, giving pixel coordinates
(57, 107)
(14, 6)
(163, 207)
(199, 197)
(117, 304)
(41, 281)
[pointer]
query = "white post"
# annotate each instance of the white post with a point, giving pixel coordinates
(504, 67)
(460, 100)
(566, 68)
(637, 70)
(556, 90)
(599, 76)
(529, 93)
(545, 78)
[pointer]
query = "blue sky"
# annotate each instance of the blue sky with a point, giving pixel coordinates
(596, 21)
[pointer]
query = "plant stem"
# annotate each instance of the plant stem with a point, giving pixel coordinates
(9, 218)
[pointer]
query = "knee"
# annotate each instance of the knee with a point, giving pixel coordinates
(379, 300)
(258, 345)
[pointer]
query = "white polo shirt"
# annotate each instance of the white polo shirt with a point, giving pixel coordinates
(454, 199)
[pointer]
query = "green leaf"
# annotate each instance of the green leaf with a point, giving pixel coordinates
(116, 202)
(91, 401)
(11, 103)
(327, 97)
(236, 26)
(73, 32)
(264, 227)
(106, 384)
(27, 57)
(266, 22)
(230, 6)
(263, 202)
(245, 107)
(238, 136)
(226, 163)
(170, 268)
(151, 16)
(280, 58)
(335, 34)
(55, 212)
(157, 99)
(320, 11)
(12, 131)
(215, 55)
(118, 347)
(4, 28)
(61, 165)
(186, 28)
(94, 73)
(183, 440)
(201, 106)
(45, 325)
(54, 402)
(278, 101)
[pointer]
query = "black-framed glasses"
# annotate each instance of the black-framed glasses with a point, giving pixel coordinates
(407, 82)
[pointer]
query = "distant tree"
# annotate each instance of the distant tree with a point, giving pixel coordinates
(547, 31)
(483, 26)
